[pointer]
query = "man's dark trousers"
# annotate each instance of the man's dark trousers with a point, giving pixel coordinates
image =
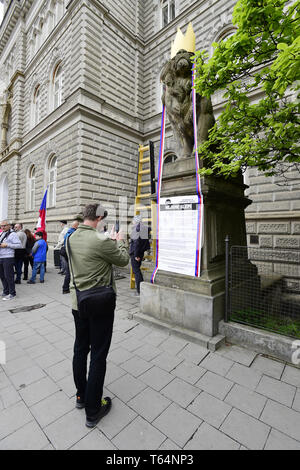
(92, 334)
(66, 284)
(7, 275)
(136, 269)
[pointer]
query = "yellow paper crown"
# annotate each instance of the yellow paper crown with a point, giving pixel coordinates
(187, 42)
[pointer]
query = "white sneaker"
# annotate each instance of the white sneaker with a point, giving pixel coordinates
(9, 297)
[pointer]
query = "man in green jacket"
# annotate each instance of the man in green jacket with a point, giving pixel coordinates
(92, 256)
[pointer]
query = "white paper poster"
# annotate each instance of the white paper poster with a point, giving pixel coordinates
(179, 219)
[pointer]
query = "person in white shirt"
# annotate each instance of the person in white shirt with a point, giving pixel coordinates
(20, 252)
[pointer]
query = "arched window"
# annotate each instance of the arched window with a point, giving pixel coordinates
(57, 86)
(168, 9)
(3, 196)
(52, 175)
(31, 188)
(170, 158)
(36, 114)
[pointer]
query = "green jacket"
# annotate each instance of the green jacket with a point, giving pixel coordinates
(92, 257)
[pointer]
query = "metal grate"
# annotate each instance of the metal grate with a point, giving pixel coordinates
(264, 289)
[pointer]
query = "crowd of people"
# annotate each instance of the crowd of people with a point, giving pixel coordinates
(87, 254)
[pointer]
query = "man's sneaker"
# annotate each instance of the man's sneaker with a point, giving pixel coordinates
(4, 295)
(30, 282)
(9, 297)
(17, 282)
(42, 282)
(92, 421)
(66, 292)
(79, 403)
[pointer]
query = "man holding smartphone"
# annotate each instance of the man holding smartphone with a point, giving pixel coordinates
(9, 242)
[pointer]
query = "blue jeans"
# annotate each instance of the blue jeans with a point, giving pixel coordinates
(36, 266)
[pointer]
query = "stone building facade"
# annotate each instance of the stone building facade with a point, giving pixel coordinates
(81, 91)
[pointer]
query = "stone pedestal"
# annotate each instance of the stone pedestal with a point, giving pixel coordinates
(189, 302)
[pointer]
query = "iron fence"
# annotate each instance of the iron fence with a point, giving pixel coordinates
(263, 288)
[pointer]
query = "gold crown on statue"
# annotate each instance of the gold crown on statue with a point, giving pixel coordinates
(187, 42)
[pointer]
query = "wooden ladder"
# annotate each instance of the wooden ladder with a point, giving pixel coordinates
(145, 187)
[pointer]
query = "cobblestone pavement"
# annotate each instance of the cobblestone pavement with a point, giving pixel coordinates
(167, 393)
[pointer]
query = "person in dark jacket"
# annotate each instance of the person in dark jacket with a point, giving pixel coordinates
(139, 243)
(28, 258)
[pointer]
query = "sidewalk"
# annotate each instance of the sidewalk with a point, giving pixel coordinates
(168, 393)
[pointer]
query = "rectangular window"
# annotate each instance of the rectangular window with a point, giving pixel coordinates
(168, 11)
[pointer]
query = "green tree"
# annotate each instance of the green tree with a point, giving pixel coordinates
(261, 59)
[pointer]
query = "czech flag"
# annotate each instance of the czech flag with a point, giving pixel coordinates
(41, 224)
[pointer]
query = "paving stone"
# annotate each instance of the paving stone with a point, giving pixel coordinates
(139, 435)
(193, 353)
(276, 390)
(37, 391)
(216, 363)
(40, 350)
(95, 440)
(173, 345)
(188, 372)
(209, 438)
(210, 409)
(58, 432)
(215, 385)
(155, 338)
(268, 366)
(13, 353)
(113, 372)
(4, 380)
(17, 365)
(29, 437)
(67, 385)
(180, 392)
(27, 377)
(296, 404)
(52, 408)
(244, 376)
(167, 361)
(156, 378)
(246, 400)
(291, 375)
(131, 344)
(64, 345)
(140, 331)
(13, 418)
(147, 352)
(177, 424)
(118, 418)
(279, 441)
(149, 404)
(169, 445)
(126, 387)
(136, 366)
(119, 356)
(282, 418)
(31, 341)
(246, 430)
(60, 370)
(50, 359)
(8, 397)
(237, 354)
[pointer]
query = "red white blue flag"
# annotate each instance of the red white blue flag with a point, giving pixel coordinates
(41, 224)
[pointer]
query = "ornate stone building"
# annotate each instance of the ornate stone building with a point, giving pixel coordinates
(80, 91)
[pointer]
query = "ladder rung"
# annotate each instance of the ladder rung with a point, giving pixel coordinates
(141, 208)
(144, 149)
(144, 196)
(144, 172)
(146, 183)
(145, 160)
(147, 220)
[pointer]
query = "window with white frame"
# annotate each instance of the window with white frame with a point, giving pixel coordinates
(36, 111)
(168, 9)
(31, 188)
(170, 158)
(57, 86)
(52, 175)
